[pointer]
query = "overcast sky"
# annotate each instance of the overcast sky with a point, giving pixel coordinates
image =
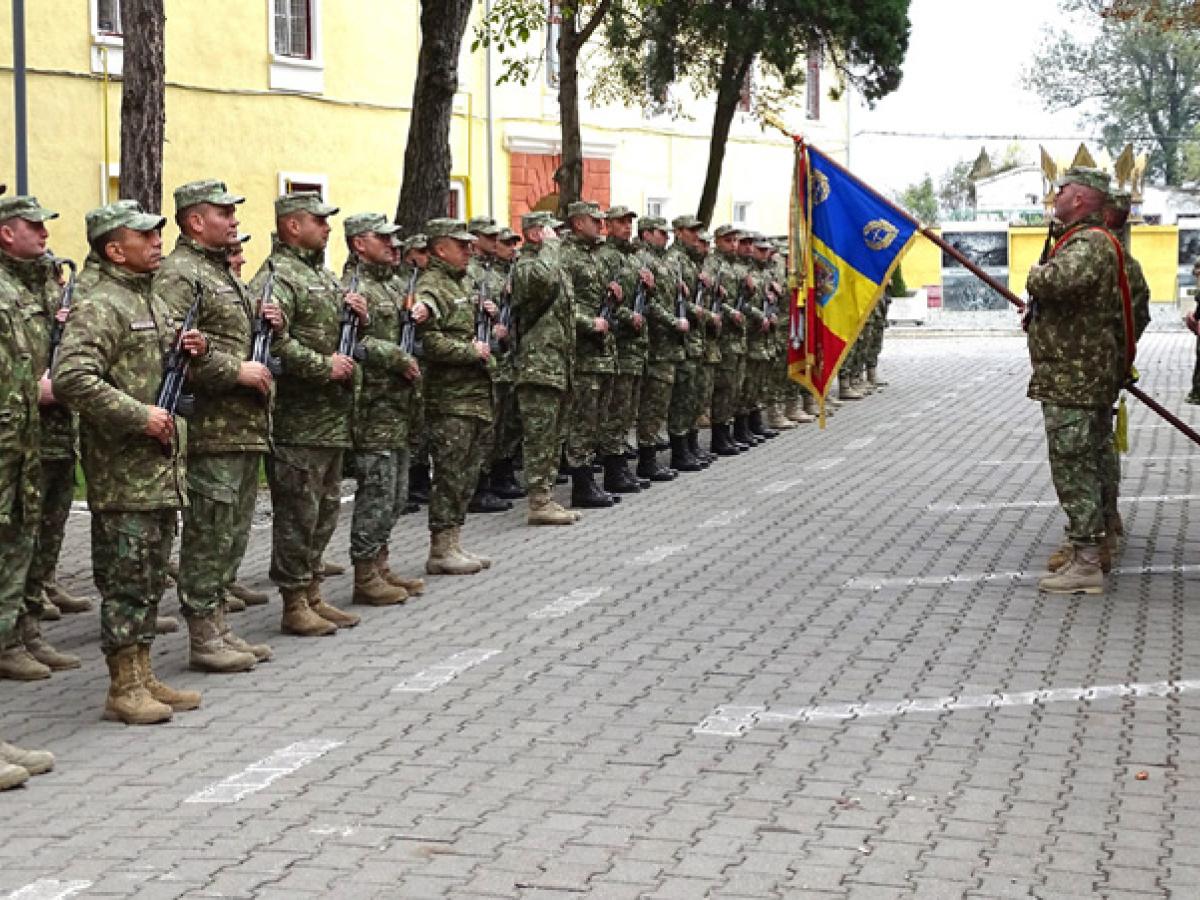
(962, 76)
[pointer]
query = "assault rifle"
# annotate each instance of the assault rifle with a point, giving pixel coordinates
(408, 327)
(260, 349)
(681, 308)
(506, 313)
(639, 299)
(483, 322)
(64, 302)
(170, 393)
(348, 343)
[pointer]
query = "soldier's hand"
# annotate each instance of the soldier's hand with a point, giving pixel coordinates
(160, 425)
(46, 391)
(62, 315)
(1190, 321)
(766, 325)
(637, 321)
(615, 290)
(647, 278)
(420, 312)
(706, 280)
(413, 372)
(686, 291)
(195, 343)
(342, 368)
(600, 325)
(750, 282)
(738, 318)
(500, 332)
(482, 350)
(491, 308)
(358, 303)
(256, 376)
(682, 326)
(273, 313)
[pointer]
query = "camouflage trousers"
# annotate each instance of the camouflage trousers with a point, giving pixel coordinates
(378, 501)
(654, 402)
(130, 552)
(753, 385)
(305, 500)
(58, 491)
(874, 337)
(457, 445)
(222, 488)
(544, 412)
(589, 403)
(1196, 373)
(507, 427)
(1078, 439)
(685, 398)
(622, 413)
(18, 537)
(1109, 462)
(727, 387)
(707, 378)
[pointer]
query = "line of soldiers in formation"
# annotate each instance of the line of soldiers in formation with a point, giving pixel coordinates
(176, 381)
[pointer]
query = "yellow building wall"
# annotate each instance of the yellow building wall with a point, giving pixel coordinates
(1156, 247)
(922, 264)
(1024, 250)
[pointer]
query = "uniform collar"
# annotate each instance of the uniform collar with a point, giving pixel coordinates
(136, 281)
(314, 259)
(220, 257)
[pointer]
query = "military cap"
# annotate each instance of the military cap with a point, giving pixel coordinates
(23, 206)
(764, 243)
(1095, 179)
(726, 230)
(303, 201)
(539, 218)
(1121, 201)
(507, 236)
(705, 235)
(652, 223)
(749, 235)
(620, 212)
(686, 222)
(369, 223)
(415, 242)
(448, 228)
(122, 214)
(484, 225)
(584, 208)
(207, 190)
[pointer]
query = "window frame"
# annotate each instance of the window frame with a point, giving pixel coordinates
(664, 204)
(297, 74)
(105, 43)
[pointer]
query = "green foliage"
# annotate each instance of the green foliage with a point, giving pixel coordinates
(921, 200)
(507, 28)
(956, 191)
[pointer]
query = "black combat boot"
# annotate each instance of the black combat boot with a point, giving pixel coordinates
(741, 434)
(584, 492)
(722, 444)
(759, 427)
(681, 457)
(617, 478)
(418, 483)
(484, 501)
(703, 457)
(648, 466)
(504, 481)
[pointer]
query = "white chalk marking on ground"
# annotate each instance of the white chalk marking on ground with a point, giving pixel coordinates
(822, 465)
(727, 517)
(657, 554)
(265, 772)
(48, 889)
(444, 672)
(874, 584)
(860, 444)
(735, 721)
(780, 487)
(566, 605)
(339, 830)
(1034, 504)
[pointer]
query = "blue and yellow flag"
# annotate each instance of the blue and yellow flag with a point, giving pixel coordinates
(851, 239)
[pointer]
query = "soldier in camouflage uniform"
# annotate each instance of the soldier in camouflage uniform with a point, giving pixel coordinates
(545, 355)
(414, 259)
(684, 259)
(596, 300)
(314, 401)
(108, 370)
(508, 426)
(1077, 348)
(618, 257)
(728, 275)
(711, 302)
(762, 319)
(229, 431)
(382, 407)
(1192, 321)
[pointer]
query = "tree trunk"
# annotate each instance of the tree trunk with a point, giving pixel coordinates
(571, 40)
(427, 158)
(733, 76)
(143, 102)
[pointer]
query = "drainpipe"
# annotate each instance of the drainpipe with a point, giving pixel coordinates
(21, 155)
(491, 143)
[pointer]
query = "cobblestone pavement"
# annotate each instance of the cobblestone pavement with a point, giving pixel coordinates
(819, 669)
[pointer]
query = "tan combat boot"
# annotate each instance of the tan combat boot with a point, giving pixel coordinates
(261, 652)
(414, 586)
(66, 602)
(232, 603)
(860, 384)
(35, 762)
(165, 625)
(444, 557)
(485, 562)
(180, 701)
(328, 611)
(846, 390)
(208, 652)
(12, 776)
(41, 650)
(1081, 575)
(776, 419)
(370, 588)
(299, 619)
(543, 510)
(1061, 556)
(797, 413)
(129, 699)
(17, 664)
(329, 569)
(874, 379)
(247, 595)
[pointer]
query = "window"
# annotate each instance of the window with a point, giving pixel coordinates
(110, 183)
(293, 29)
(456, 199)
(295, 37)
(741, 212)
(304, 181)
(553, 31)
(107, 51)
(108, 18)
(813, 84)
(656, 206)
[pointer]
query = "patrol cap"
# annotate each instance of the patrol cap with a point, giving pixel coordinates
(23, 206)
(763, 242)
(1095, 179)
(726, 230)
(484, 225)
(539, 218)
(620, 212)
(652, 223)
(1122, 201)
(369, 223)
(686, 222)
(705, 235)
(584, 208)
(508, 236)
(303, 201)
(751, 236)
(415, 242)
(207, 190)
(122, 214)
(448, 228)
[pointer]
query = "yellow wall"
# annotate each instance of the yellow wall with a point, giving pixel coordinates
(1024, 250)
(922, 264)
(1156, 247)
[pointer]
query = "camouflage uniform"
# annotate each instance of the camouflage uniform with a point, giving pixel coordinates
(685, 398)
(758, 341)
(619, 262)
(666, 341)
(727, 271)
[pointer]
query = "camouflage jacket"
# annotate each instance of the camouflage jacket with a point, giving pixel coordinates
(666, 341)
(758, 342)
(727, 272)
(109, 369)
(594, 351)
(1076, 335)
(619, 262)
(705, 299)
(490, 278)
(545, 313)
(20, 481)
(229, 418)
(311, 409)
(457, 381)
(383, 401)
(40, 297)
(683, 263)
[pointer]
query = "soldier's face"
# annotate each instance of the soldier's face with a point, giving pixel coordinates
(236, 260)
(728, 243)
(762, 254)
(506, 250)
(374, 248)
(621, 229)
(586, 226)
(745, 248)
(485, 245)
(655, 238)
(418, 259)
(453, 252)
(23, 239)
(213, 226)
(138, 251)
(689, 237)
(312, 232)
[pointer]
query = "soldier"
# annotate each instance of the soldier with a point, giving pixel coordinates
(1192, 321)
(728, 274)
(508, 427)
(596, 298)
(29, 277)
(711, 302)
(458, 391)
(1077, 348)
(381, 412)
(685, 258)
(314, 401)
(415, 260)
(545, 320)
(229, 430)
(668, 330)
(763, 320)
(109, 369)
